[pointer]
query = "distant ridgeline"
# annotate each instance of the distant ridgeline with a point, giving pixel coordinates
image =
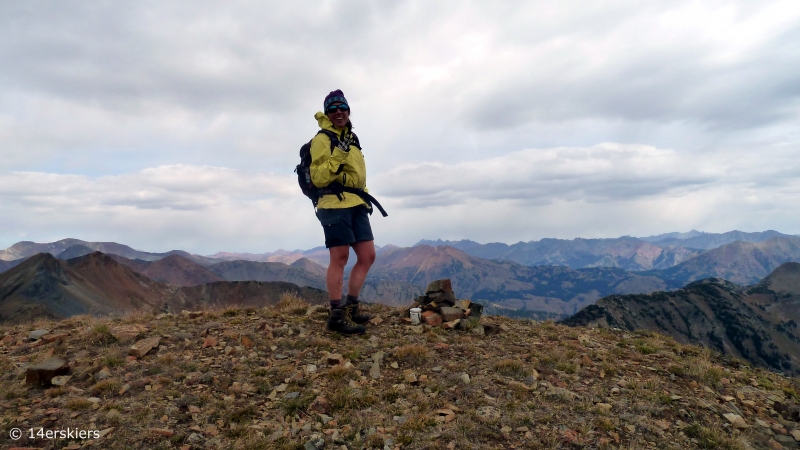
(757, 323)
(551, 278)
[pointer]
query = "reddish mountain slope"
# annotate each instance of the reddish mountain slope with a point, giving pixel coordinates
(96, 284)
(92, 284)
(173, 269)
(552, 289)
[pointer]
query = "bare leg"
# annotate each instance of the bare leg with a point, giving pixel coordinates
(335, 274)
(365, 256)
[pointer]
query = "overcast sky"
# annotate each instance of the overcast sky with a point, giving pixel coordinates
(176, 124)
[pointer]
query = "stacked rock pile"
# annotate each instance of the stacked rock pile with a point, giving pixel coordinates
(440, 307)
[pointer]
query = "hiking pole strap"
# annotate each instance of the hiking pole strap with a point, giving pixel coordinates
(366, 197)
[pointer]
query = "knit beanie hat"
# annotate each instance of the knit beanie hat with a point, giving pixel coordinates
(334, 96)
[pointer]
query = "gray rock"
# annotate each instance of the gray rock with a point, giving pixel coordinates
(37, 334)
(315, 444)
(375, 371)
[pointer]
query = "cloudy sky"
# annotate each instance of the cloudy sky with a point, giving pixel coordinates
(176, 124)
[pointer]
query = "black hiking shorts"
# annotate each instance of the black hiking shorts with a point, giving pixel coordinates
(345, 226)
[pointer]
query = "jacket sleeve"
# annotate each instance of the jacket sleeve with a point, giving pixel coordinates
(324, 163)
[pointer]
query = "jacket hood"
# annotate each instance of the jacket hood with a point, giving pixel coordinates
(326, 124)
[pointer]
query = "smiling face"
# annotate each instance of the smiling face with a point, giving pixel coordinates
(338, 117)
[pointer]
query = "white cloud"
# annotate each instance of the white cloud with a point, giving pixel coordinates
(602, 173)
(206, 209)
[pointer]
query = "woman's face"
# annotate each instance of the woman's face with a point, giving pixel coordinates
(338, 117)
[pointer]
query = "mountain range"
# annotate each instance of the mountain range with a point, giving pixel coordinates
(758, 323)
(626, 252)
(401, 273)
(44, 286)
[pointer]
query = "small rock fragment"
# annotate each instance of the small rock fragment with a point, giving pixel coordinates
(162, 432)
(141, 348)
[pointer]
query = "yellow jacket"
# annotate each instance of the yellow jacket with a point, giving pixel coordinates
(346, 167)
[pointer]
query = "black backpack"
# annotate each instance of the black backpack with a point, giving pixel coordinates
(314, 193)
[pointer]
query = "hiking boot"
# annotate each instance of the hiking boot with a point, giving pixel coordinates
(352, 313)
(337, 323)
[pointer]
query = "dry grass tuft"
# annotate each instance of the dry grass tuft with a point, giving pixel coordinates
(412, 353)
(341, 372)
(100, 335)
(347, 399)
(709, 438)
(105, 386)
(291, 303)
(78, 404)
(55, 392)
(511, 368)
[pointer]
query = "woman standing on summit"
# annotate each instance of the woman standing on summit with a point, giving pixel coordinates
(336, 158)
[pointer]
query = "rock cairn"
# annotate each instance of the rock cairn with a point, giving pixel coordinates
(440, 307)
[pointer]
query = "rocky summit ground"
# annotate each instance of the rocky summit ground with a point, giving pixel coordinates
(264, 378)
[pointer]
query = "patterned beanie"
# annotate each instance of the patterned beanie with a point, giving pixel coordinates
(334, 96)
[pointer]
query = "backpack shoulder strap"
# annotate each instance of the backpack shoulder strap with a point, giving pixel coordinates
(332, 136)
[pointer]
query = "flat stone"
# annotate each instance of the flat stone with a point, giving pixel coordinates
(126, 333)
(162, 432)
(44, 372)
(247, 342)
(375, 371)
(103, 374)
(431, 318)
(60, 380)
(796, 435)
(37, 334)
(141, 348)
(736, 420)
(450, 314)
(210, 341)
(376, 321)
(451, 325)
(52, 337)
(445, 299)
